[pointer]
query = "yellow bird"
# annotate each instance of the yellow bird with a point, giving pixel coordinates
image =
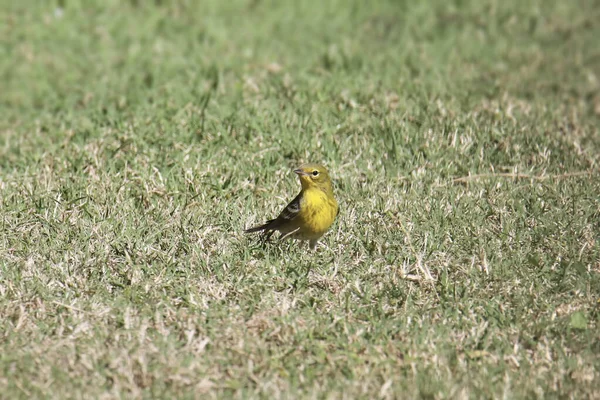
(311, 213)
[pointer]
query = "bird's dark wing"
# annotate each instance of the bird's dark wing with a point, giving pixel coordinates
(290, 212)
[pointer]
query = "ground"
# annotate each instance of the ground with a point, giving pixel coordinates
(138, 140)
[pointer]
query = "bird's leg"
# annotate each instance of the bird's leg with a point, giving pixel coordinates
(313, 244)
(266, 236)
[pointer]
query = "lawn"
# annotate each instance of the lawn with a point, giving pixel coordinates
(138, 139)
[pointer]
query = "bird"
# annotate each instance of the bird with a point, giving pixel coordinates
(310, 214)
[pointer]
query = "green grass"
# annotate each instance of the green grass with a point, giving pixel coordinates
(138, 140)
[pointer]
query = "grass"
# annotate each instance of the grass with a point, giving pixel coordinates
(137, 141)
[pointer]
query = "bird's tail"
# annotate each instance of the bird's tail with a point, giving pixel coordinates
(265, 227)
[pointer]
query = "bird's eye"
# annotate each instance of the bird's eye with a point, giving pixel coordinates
(315, 172)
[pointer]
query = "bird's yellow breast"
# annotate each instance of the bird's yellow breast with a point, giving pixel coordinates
(318, 211)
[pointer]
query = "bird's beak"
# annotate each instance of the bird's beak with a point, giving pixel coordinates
(300, 172)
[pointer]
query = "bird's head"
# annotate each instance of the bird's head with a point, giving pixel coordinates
(314, 175)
